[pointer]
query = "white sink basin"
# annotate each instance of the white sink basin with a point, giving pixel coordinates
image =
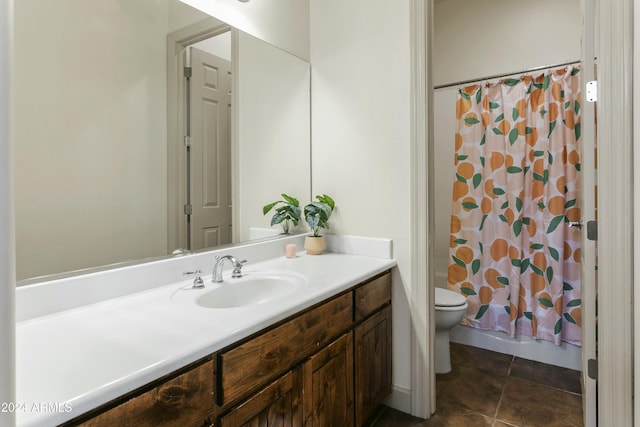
(251, 289)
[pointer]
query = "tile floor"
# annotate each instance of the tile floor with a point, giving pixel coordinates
(486, 388)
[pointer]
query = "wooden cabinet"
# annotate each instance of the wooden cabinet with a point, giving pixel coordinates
(277, 405)
(185, 400)
(329, 365)
(328, 385)
(372, 363)
(250, 364)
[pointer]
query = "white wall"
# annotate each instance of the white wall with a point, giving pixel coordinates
(360, 136)
(283, 23)
(502, 36)
(273, 131)
(466, 48)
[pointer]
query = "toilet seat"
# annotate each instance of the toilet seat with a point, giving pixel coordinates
(448, 299)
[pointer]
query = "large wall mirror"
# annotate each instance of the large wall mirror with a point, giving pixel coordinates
(99, 114)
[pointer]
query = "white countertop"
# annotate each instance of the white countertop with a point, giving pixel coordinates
(86, 356)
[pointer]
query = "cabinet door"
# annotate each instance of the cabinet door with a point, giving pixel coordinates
(328, 385)
(277, 405)
(372, 363)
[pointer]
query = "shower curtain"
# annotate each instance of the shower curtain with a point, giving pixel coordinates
(513, 253)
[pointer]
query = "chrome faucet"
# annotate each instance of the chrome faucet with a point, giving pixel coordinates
(216, 277)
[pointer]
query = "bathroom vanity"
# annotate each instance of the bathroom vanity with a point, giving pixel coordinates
(318, 356)
(300, 370)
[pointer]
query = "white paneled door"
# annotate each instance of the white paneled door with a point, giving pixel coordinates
(210, 108)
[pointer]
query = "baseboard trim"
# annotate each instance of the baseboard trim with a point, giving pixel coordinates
(400, 399)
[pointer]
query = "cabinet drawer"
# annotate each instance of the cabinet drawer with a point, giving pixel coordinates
(249, 365)
(373, 295)
(186, 400)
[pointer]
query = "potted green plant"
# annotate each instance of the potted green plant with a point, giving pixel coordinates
(317, 214)
(289, 212)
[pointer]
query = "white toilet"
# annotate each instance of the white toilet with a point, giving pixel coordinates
(450, 309)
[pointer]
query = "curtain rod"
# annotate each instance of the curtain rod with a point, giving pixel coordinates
(496, 76)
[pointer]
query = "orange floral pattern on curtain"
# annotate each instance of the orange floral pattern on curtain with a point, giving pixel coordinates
(512, 251)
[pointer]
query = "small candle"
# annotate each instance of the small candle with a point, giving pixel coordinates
(290, 250)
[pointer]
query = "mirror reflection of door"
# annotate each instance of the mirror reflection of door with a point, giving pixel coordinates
(209, 181)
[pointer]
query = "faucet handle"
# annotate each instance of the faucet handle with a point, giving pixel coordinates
(237, 269)
(198, 283)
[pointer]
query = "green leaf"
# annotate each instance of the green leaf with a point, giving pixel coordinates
(503, 280)
(516, 263)
(541, 205)
(513, 136)
(482, 158)
(575, 71)
(511, 82)
(469, 205)
(543, 112)
(554, 223)
(570, 318)
(519, 205)
(464, 94)
(515, 114)
(475, 266)
(574, 303)
(481, 246)
(484, 217)
(468, 291)
(479, 96)
(578, 167)
(558, 327)
(507, 309)
(482, 141)
(471, 121)
(552, 126)
(477, 180)
(546, 302)
(267, 208)
(528, 315)
(549, 274)
(526, 220)
(514, 169)
(493, 105)
(500, 118)
(566, 104)
(460, 241)
(291, 200)
(538, 153)
(503, 218)
(550, 158)
(461, 178)
(517, 227)
(577, 129)
(554, 254)
(528, 130)
(505, 205)
(537, 246)
(463, 157)
(538, 177)
(570, 203)
(566, 287)
(482, 311)
(497, 131)
(458, 261)
(545, 85)
(498, 191)
(537, 270)
(576, 107)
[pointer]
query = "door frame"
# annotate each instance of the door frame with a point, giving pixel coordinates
(177, 43)
(616, 377)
